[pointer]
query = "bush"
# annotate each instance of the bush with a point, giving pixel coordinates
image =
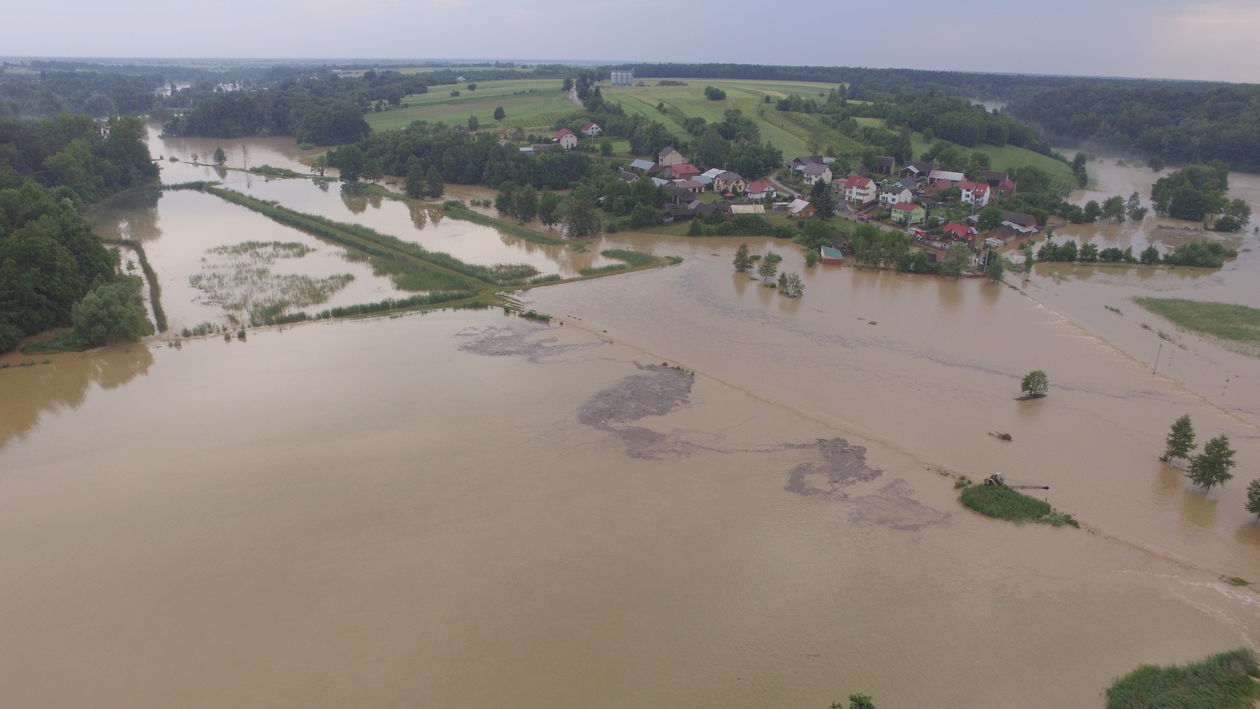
(1004, 503)
(112, 312)
(1223, 681)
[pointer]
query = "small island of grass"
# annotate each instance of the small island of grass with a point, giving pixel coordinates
(1004, 503)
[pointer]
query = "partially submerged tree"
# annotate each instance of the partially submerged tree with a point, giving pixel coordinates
(767, 268)
(743, 261)
(220, 157)
(1180, 441)
(1035, 383)
(1211, 467)
(1253, 498)
(994, 269)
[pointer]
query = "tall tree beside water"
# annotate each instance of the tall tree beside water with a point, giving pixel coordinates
(1180, 441)
(1211, 467)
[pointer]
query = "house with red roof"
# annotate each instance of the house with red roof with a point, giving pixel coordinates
(761, 190)
(566, 138)
(959, 231)
(860, 189)
(590, 130)
(681, 171)
(974, 193)
(1006, 187)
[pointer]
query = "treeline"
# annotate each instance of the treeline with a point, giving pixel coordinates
(76, 154)
(461, 158)
(1203, 254)
(1163, 124)
(94, 93)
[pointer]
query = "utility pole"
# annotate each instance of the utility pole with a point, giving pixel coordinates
(1157, 352)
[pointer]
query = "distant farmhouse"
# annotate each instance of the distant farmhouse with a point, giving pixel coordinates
(622, 78)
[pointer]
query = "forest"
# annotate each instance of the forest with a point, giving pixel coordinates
(49, 258)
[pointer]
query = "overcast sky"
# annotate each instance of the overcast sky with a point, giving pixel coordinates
(1213, 39)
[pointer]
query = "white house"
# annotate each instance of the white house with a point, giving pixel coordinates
(590, 130)
(974, 193)
(761, 190)
(860, 189)
(945, 176)
(566, 138)
(894, 194)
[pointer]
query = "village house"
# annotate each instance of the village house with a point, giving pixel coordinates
(1019, 219)
(894, 193)
(907, 213)
(681, 171)
(937, 177)
(642, 165)
(1006, 187)
(730, 182)
(860, 190)
(831, 256)
(974, 193)
(915, 169)
(711, 173)
(627, 176)
(960, 231)
(566, 138)
(992, 178)
(591, 130)
(669, 155)
(692, 186)
(801, 209)
(814, 172)
(677, 194)
(515, 134)
(885, 165)
(761, 190)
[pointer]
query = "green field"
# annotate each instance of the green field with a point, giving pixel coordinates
(528, 103)
(1235, 323)
(537, 104)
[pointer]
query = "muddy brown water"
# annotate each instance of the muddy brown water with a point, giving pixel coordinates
(445, 509)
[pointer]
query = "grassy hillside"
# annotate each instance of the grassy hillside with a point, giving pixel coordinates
(528, 103)
(536, 104)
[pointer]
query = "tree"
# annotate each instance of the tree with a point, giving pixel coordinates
(433, 185)
(694, 229)
(473, 123)
(1180, 441)
(1149, 255)
(1035, 384)
(414, 186)
(1253, 498)
(791, 285)
(549, 209)
(743, 261)
(499, 113)
(824, 203)
(472, 87)
(957, 258)
(220, 157)
(1211, 467)
(350, 161)
(990, 217)
(767, 268)
(994, 269)
(860, 701)
(111, 312)
(578, 215)
(567, 85)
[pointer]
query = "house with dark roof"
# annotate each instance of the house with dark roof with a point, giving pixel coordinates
(885, 165)
(669, 155)
(916, 169)
(993, 177)
(894, 193)
(1020, 219)
(730, 182)
(642, 165)
(815, 172)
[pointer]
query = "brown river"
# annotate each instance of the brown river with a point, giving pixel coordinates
(452, 508)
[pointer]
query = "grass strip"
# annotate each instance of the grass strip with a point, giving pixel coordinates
(456, 209)
(1223, 681)
(155, 288)
(1237, 323)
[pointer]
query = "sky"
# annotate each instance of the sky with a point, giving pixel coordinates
(1179, 39)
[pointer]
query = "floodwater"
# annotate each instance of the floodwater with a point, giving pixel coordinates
(467, 241)
(450, 508)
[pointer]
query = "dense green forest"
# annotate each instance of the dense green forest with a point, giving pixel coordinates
(49, 258)
(1162, 124)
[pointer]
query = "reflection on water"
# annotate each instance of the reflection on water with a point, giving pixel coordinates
(31, 392)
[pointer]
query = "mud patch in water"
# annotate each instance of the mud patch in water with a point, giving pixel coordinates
(656, 392)
(515, 341)
(844, 465)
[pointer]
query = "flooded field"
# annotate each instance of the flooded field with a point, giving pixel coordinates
(688, 490)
